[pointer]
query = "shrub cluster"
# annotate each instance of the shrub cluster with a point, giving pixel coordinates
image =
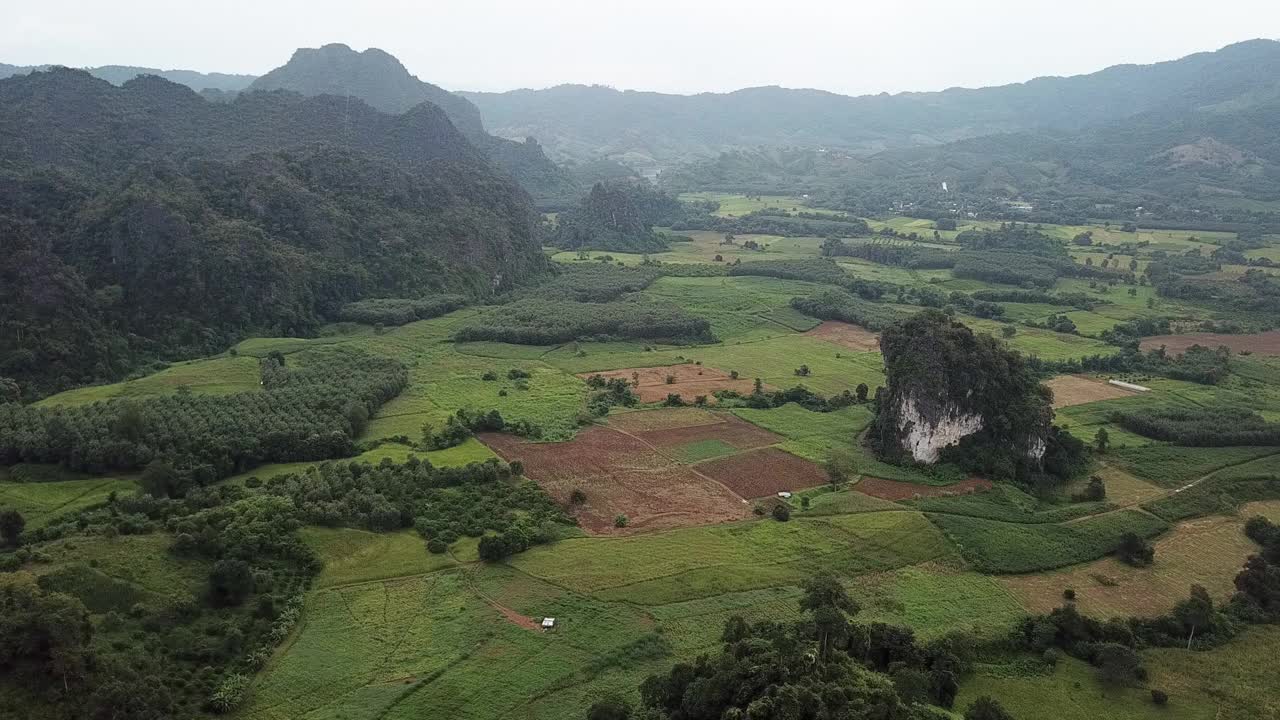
(399, 311)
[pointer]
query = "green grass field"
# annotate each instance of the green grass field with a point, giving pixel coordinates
(697, 562)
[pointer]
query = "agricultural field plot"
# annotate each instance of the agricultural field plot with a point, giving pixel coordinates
(763, 473)
(1263, 343)
(1045, 344)
(620, 476)
(832, 369)
(354, 556)
(1173, 467)
(996, 547)
(690, 563)
(43, 502)
(689, 381)
(1071, 390)
(897, 490)
(734, 205)
(1207, 552)
(935, 599)
(662, 419)
(737, 434)
(738, 307)
(214, 376)
(1005, 503)
(846, 335)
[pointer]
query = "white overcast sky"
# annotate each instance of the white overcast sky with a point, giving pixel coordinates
(847, 46)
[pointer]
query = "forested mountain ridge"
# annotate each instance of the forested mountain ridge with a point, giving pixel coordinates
(143, 221)
(576, 121)
(120, 74)
(379, 79)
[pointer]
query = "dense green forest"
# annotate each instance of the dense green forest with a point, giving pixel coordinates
(146, 223)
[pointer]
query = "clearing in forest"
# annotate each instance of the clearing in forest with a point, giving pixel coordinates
(1071, 390)
(764, 473)
(846, 335)
(687, 380)
(620, 475)
(1263, 343)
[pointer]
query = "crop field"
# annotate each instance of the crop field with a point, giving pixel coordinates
(731, 431)
(732, 204)
(689, 381)
(1264, 343)
(1004, 503)
(1173, 467)
(689, 563)
(1071, 390)
(763, 473)
(1207, 552)
(997, 547)
(620, 476)
(663, 419)
(936, 599)
(898, 490)
(846, 335)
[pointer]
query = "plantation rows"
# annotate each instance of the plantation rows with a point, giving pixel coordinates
(310, 413)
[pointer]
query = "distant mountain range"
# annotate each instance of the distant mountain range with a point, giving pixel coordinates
(120, 74)
(1200, 131)
(575, 121)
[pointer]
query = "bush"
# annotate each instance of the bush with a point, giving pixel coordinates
(436, 546)
(1159, 697)
(620, 521)
(781, 512)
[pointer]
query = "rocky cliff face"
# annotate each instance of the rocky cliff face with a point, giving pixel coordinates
(925, 434)
(946, 385)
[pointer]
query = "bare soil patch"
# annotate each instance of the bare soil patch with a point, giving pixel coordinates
(687, 380)
(1263, 343)
(731, 430)
(620, 475)
(1207, 551)
(662, 419)
(1071, 390)
(896, 490)
(846, 335)
(764, 473)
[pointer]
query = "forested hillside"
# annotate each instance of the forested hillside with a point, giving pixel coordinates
(143, 222)
(379, 79)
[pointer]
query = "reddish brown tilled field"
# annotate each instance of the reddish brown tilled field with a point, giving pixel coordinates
(688, 381)
(763, 473)
(620, 475)
(897, 490)
(731, 430)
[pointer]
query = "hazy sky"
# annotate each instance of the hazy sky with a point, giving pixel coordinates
(849, 46)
